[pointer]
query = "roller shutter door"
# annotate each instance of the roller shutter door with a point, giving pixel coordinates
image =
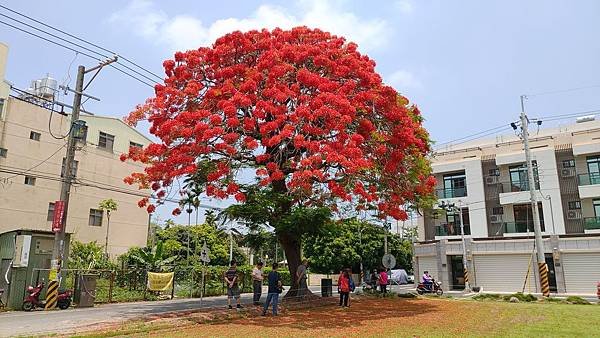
(427, 263)
(582, 272)
(504, 273)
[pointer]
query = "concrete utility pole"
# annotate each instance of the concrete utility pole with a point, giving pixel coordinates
(539, 245)
(59, 236)
(453, 208)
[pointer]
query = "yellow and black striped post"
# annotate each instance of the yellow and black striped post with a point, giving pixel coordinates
(51, 295)
(466, 275)
(543, 268)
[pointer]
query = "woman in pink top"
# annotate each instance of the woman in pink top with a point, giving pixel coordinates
(344, 288)
(383, 280)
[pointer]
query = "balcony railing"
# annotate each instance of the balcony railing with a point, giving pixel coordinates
(520, 227)
(516, 186)
(451, 230)
(588, 179)
(451, 192)
(591, 223)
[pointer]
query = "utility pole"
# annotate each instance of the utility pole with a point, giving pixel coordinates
(453, 208)
(59, 237)
(539, 245)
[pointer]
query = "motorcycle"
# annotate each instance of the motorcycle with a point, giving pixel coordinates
(436, 287)
(32, 300)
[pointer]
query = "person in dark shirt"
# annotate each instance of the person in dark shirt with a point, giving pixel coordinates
(231, 279)
(275, 288)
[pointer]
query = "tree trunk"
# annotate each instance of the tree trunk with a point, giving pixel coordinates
(291, 245)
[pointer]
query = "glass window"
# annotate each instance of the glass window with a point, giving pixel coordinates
(518, 177)
(33, 135)
(593, 164)
(29, 180)
(106, 141)
(73, 169)
(597, 208)
(96, 217)
(574, 205)
(568, 163)
(497, 211)
(454, 185)
(3, 152)
(524, 217)
(135, 145)
(494, 172)
(50, 217)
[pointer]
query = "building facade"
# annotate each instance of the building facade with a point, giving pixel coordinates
(32, 151)
(487, 180)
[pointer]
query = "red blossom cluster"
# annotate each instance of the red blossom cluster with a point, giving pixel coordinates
(302, 107)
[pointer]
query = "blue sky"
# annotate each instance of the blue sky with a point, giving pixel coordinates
(465, 63)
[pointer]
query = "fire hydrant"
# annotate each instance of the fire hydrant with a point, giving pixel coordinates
(598, 290)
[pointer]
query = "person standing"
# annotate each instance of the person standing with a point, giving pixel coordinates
(383, 280)
(301, 278)
(231, 279)
(275, 288)
(257, 282)
(344, 288)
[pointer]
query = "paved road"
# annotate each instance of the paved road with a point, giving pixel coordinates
(20, 323)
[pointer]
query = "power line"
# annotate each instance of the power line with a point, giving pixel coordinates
(40, 163)
(492, 130)
(82, 40)
(74, 50)
(562, 90)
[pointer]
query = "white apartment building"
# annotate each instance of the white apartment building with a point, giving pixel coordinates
(32, 151)
(487, 180)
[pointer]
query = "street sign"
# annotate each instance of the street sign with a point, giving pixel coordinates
(57, 217)
(389, 261)
(204, 254)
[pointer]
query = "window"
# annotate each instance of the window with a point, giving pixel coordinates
(106, 141)
(3, 152)
(593, 164)
(568, 163)
(29, 180)
(453, 222)
(597, 208)
(574, 205)
(497, 211)
(1, 106)
(135, 145)
(50, 216)
(96, 217)
(518, 177)
(73, 169)
(494, 172)
(524, 217)
(34, 135)
(454, 185)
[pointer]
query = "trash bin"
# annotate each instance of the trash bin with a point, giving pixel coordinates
(326, 287)
(85, 292)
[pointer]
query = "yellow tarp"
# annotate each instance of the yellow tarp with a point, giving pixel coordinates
(160, 281)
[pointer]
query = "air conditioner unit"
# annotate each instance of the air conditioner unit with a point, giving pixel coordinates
(567, 172)
(574, 214)
(491, 180)
(496, 218)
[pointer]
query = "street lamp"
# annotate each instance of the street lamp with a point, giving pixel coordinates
(451, 207)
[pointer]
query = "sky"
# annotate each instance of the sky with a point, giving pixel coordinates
(464, 63)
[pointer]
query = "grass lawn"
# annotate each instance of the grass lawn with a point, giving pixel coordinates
(369, 317)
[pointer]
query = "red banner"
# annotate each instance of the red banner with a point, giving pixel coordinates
(57, 219)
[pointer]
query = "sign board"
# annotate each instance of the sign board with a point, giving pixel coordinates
(204, 254)
(389, 261)
(160, 281)
(57, 219)
(22, 250)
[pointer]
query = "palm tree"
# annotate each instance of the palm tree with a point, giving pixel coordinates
(107, 205)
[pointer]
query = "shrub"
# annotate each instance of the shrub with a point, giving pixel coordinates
(487, 296)
(407, 295)
(577, 300)
(521, 297)
(552, 300)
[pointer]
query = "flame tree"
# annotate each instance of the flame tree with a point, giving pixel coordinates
(301, 110)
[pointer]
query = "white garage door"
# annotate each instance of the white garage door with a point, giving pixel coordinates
(428, 263)
(504, 273)
(582, 272)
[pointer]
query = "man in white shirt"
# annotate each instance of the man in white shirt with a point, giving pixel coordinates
(257, 281)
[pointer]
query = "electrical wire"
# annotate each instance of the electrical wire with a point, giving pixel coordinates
(563, 90)
(81, 40)
(40, 163)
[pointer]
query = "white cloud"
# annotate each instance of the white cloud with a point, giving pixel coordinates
(183, 32)
(405, 6)
(402, 79)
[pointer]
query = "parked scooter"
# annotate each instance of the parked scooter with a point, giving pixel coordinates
(33, 301)
(436, 287)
